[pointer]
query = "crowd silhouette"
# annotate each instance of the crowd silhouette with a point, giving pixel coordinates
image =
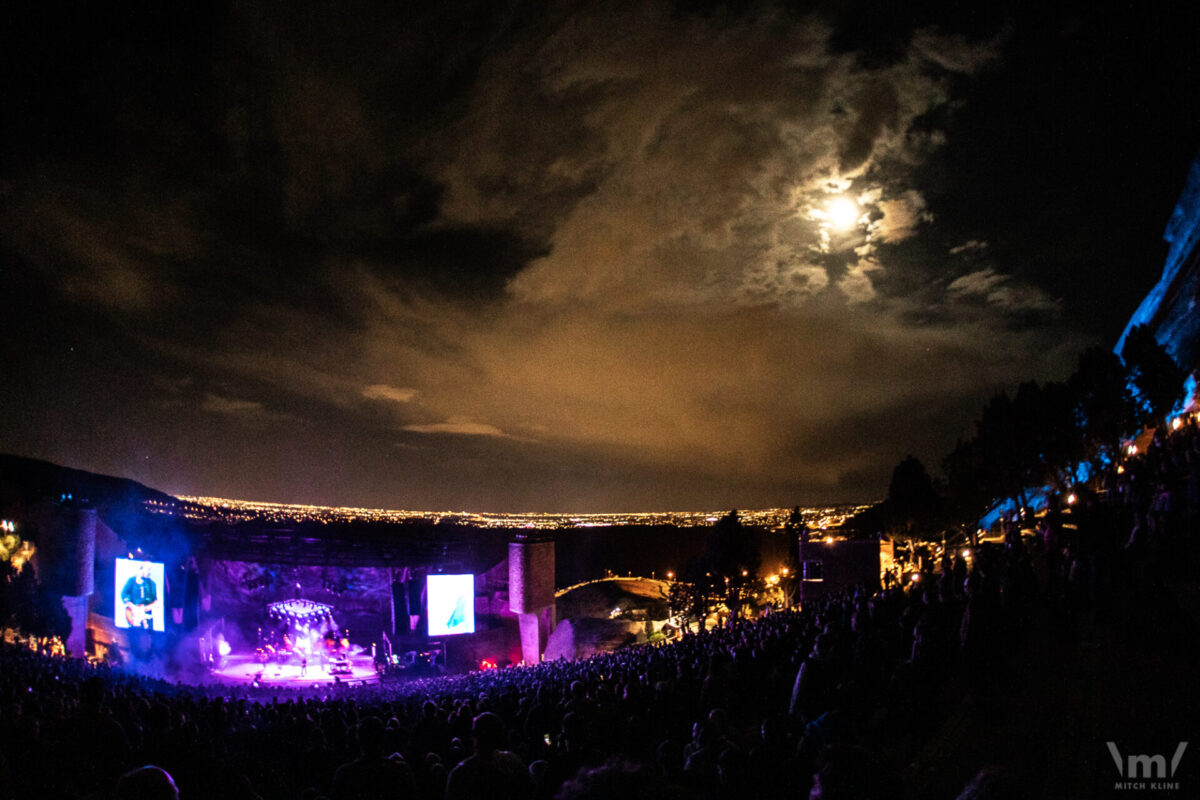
(831, 701)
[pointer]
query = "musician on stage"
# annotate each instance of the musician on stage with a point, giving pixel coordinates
(140, 597)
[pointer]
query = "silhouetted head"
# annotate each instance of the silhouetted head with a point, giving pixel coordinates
(615, 778)
(850, 773)
(992, 783)
(669, 757)
(147, 783)
(370, 736)
(91, 693)
(772, 729)
(488, 732)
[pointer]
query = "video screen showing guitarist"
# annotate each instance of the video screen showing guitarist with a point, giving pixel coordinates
(141, 599)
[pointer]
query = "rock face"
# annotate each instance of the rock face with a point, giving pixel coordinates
(581, 638)
(602, 616)
(644, 598)
(531, 590)
(1172, 308)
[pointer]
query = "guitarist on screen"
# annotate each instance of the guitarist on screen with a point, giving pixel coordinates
(140, 597)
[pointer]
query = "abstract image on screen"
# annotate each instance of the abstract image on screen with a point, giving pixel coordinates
(451, 604)
(139, 595)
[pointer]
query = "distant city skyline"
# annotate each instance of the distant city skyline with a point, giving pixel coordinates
(567, 257)
(230, 510)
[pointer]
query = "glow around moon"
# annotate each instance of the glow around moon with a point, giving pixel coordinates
(843, 213)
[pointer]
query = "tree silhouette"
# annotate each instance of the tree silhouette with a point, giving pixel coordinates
(1105, 408)
(1027, 441)
(912, 502)
(7, 575)
(999, 451)
(1038, 436)
(688, 596)
(1157, 380)
(1048, 438)
(791, 562)
(967, 492)
(728, 554)
(36, 609)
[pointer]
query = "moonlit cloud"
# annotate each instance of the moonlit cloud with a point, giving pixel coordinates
(572, 256)
(1000, 291)
(981, 283)
(970, 248)
(229, 405)
(900, 216)
(856, 283)
(955, 53)
(695, 160)
(457, 429)
(380, 391)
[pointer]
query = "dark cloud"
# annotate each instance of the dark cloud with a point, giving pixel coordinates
(571, 257)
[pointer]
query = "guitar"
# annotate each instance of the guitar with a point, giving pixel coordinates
(140, 616)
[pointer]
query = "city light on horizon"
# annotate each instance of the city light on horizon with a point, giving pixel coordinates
(192, 507)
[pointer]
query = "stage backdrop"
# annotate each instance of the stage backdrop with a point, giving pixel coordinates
(360, 596)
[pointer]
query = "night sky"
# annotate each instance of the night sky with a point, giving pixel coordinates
(566, 256)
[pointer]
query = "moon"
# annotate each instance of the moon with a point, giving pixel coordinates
(843, 213)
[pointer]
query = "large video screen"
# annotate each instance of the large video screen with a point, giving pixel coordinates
(451, 604)
(140, 594)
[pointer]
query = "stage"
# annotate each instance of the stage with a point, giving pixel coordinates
(245, 668)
